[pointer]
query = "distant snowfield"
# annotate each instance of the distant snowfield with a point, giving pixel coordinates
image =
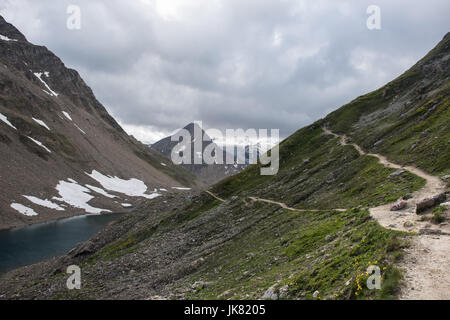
(5, 120)
(23, 210)
(132, 187)
(77, 196)
(39, 144)
(42, 123)
(44, 203)
(50, 91)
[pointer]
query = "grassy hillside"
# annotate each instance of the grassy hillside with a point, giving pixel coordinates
(407, 119)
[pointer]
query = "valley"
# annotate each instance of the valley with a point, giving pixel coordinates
(365, 186)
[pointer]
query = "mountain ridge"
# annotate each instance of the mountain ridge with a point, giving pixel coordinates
(52, 129)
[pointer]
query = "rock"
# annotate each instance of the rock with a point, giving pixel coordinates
(233, 198)
(446, 177)
(316, 294)
(270, 294)
(283, 291)
(445, 204)
(426, 203)
(378, 142)
(224, 294)
(425, 133)
(396, 173)
(200, 285)
(408, 224)
(82, 249)
(398, 206)
(407, 196)
(413, 147)
(431, 232)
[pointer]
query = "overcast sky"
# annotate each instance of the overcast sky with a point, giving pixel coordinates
(158, 65)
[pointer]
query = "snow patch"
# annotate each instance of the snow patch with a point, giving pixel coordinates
(42, 123)
(77, 196)
(39, 76)
(126, 205)
(39, 144)
(181, 188)
(67, 115)
(101, 191)
(24, 210)
(163, 164)
(5, 120)
(5, 38)
(162, 189)
(80, 129)
(132, 187)
(44, 203)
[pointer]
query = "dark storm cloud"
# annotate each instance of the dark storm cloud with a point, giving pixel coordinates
(157, 65)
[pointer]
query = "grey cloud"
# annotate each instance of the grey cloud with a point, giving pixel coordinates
(231, 64)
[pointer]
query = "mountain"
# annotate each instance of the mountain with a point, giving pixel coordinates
(209, 173)
(61, 153)
(313, 231)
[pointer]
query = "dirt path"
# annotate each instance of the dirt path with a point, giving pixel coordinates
(427, 260)
(284, 206)
(214, 196)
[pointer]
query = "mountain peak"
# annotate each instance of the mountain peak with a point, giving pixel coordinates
(9, 31)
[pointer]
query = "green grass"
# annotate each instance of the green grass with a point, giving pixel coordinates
(307, 252)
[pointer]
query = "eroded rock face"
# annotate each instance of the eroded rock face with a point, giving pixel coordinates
(427, 203)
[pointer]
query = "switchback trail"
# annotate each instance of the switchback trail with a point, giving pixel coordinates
(426, 263)
(427, 260)
(284, 206)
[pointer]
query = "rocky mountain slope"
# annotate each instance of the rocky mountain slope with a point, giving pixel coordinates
(61, 153)
(208, 173)
(306, 233)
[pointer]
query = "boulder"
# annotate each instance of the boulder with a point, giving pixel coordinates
(427, 203)
(270, 294)
(398, 206)
(396, 173)
(84, 248)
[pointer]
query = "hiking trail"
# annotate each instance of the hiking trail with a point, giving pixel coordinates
(428, 257)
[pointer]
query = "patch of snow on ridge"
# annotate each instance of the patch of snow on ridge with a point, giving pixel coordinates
(181, 188)
(42, 123)
(126, 205)
(132, 187)
(81, 130)
(5, 38)
(39, 76)
(101, 191)
(77, 196)
(39, 144)
(23, 210)
(5, 120)
(67, 115)
(44, 203)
